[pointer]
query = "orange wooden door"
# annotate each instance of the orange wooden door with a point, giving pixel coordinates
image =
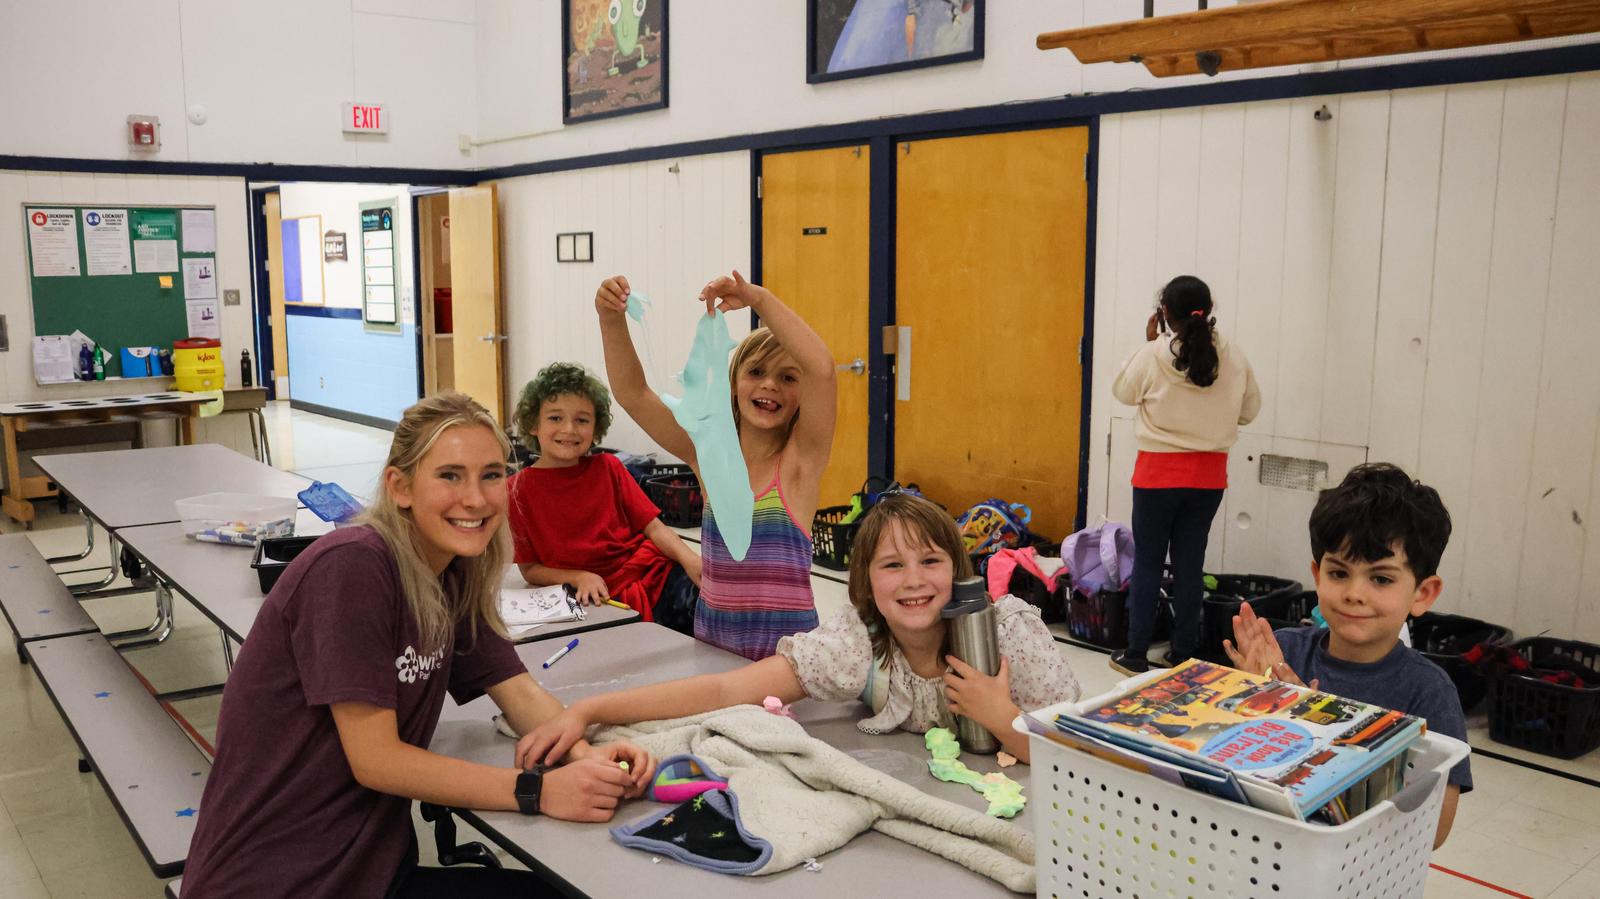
(989, 277)
(475, 297)
(815, 207)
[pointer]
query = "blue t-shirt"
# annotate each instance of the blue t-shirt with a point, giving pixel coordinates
(1403, 680)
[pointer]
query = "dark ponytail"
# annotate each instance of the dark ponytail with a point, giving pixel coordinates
(1187, 301)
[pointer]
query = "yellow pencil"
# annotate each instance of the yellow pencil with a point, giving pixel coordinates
(620, 605)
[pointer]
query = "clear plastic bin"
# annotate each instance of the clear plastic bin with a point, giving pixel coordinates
(240, 519)
(1104, 830)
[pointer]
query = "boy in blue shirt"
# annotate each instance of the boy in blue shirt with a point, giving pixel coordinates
(1376, 540)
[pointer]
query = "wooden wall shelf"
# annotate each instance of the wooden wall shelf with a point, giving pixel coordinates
(1294, 32)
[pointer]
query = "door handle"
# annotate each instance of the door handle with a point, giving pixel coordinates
(858, 367)
(491, 338)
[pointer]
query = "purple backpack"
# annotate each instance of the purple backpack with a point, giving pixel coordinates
(1099, 558)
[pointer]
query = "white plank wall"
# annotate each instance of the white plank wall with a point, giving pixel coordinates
(75, 188)
(1413, 281)
(668, 232)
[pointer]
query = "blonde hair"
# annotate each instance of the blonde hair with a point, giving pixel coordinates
(924, 523)
(758, 348)
(469, 588)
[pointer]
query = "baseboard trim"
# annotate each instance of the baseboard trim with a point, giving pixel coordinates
(371, 421)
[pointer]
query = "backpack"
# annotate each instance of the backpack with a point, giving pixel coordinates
(1099, 558)
(992, 524)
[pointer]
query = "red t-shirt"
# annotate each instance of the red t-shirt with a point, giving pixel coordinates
(587, 517)
(282, 815)
(1205, 471)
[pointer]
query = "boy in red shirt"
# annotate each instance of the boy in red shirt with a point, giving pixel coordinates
(582, 519)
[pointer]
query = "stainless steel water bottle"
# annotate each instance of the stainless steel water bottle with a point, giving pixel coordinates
(972, 623)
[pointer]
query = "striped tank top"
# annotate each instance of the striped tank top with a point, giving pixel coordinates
(748, 606)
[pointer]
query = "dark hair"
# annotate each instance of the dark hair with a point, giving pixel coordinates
(1376, 505)
(561, 379)
(923, 521)
(1187, 301)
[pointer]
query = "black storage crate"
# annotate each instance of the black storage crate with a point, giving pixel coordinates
(273, 555)
(1217, 607)
(831, 537)
(1102, 619)
(676, 492)
(1445, 638)
(1536, 715)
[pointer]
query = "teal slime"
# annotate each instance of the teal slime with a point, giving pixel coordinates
(637, 304)
(706, 415)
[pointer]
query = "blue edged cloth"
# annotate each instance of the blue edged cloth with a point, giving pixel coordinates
(704, 831)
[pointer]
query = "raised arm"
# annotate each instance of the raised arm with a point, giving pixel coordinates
(819, 390)
(772, 676)
(626, 376)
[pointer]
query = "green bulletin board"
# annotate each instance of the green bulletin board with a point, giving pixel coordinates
(110, 287)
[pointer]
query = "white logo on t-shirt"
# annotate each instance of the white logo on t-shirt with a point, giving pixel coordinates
(414, 666)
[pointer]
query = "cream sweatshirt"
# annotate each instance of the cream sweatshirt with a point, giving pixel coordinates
(1175, 416)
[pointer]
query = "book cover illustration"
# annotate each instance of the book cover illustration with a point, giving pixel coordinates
(1308, 744)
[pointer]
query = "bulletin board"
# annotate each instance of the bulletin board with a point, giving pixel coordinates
(100, 270)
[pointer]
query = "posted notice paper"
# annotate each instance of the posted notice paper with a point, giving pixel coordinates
(53, 242)
(155, 256)
(199, 231)
(105, 241)
(200, 278)
(203, 318)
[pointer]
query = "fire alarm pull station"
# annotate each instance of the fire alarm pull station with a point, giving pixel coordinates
(144, 132)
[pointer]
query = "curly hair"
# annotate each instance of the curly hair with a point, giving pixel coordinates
(561, 379)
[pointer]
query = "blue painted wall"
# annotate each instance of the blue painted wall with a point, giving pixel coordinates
(335, 362)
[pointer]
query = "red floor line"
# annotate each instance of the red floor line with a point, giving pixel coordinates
(1482, 883)
(201, 741)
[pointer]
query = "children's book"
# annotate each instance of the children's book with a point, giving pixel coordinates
(1291, 750)
(522, 607)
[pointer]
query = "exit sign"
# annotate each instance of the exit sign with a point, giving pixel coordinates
(366, 118)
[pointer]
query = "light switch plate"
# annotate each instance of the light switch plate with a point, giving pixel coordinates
(230, 298)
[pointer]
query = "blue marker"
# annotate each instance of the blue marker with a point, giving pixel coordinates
(561, 652)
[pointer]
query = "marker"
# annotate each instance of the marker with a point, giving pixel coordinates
(620, 605)
(561, 652)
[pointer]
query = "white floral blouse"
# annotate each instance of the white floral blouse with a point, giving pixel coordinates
(834, 663)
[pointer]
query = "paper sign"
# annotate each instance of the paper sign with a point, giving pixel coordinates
(200, 278)
(203, 318)
(150, 224)
(52, 359)
(166, 282)
(53, 241)
(199, 231)
(105, 241)
(155, 256)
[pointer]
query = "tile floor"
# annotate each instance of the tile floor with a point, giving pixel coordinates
(1522, 832)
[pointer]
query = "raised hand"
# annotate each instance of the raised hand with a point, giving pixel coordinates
(612, 297)
(731, 292)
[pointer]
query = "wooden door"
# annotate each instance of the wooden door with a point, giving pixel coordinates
(815, 207)
(989, 277)
(475, 296)
(279, 375)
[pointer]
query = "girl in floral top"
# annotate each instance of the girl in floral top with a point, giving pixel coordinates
(889, 650)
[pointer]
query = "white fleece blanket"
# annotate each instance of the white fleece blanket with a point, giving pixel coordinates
(807, 798)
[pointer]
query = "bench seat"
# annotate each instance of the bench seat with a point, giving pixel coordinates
(35, 601)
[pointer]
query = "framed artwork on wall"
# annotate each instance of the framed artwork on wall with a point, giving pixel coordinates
(855, 38)
(613, 59)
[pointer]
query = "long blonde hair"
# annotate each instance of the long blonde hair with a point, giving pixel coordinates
(924, 523)
(469, 588)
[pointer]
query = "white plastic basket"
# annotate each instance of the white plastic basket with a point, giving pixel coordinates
(1102, 830)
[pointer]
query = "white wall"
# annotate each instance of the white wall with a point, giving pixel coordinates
(738, 67)
(271, 77)
(668, 233)
(233, 273)
(339, 205)
(1414, 282)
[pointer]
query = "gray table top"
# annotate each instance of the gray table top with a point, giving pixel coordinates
(83, 403)
(584, 855)
(125, 488)
(216, 578)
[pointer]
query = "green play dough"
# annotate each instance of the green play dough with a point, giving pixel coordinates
(707, 417)
(1004, 794)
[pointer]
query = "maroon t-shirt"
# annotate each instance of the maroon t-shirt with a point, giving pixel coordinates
(590, 516)
(282, 814)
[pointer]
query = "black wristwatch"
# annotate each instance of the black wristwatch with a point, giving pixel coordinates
(530, 785)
